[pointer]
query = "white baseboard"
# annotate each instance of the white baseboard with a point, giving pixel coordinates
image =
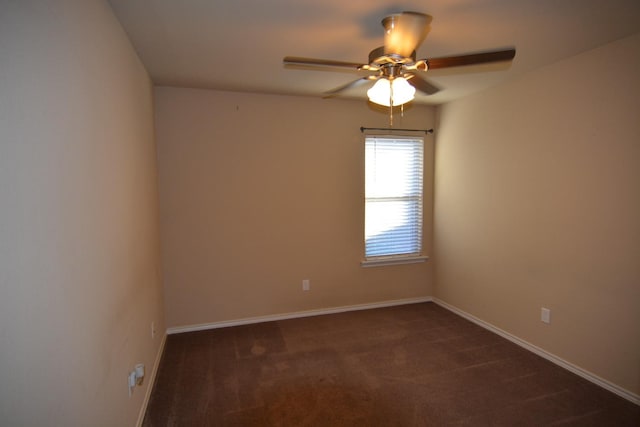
(152, 380)
(632, 397)
(294, 315)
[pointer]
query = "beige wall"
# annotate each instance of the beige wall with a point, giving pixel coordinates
(258, 192)
(79, 258)
(537, 203)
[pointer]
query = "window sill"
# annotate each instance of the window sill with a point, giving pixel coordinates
(380, 261)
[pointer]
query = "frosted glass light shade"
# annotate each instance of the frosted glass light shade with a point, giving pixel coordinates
(398, 91)
(401, 91)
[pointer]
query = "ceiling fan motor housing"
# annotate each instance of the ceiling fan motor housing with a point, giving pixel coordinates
(379, 57)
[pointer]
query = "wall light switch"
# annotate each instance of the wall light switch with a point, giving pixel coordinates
(306, 285)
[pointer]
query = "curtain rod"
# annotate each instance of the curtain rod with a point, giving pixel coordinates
(362, 129)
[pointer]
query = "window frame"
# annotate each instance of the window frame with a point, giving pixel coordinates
(396, 258)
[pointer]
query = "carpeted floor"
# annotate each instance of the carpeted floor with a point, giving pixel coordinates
(411, 365)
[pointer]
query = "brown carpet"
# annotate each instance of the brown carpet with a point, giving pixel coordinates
(412, 365)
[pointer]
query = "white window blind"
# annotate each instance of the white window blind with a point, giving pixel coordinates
(393, 196)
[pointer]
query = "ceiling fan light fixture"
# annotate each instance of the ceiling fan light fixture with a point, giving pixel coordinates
(386, 92)
(392, 64)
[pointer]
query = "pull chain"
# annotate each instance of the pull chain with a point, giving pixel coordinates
(390, 103)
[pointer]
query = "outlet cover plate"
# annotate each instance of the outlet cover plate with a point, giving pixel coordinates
(545, 315)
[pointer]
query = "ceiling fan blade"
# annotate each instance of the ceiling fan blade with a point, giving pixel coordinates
(295, 60)
(404, 32)
(422, 85)
(471, 59)
(350, 85)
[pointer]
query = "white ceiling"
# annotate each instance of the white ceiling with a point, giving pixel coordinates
(238, 45)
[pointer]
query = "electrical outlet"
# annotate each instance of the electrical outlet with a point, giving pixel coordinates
(306, 285)
(545, 315)
(131, 381)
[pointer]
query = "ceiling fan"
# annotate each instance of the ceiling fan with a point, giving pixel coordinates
(394, 66)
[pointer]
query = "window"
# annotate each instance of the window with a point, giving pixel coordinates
(393, 199)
